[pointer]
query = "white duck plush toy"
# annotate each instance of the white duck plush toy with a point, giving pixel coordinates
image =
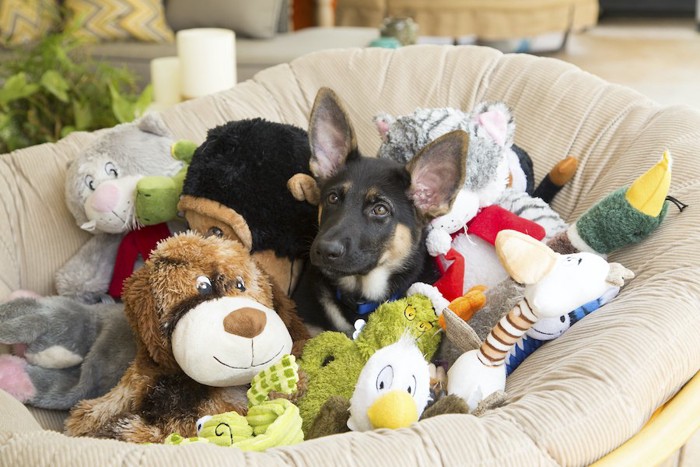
(554, 284)
(393, 388)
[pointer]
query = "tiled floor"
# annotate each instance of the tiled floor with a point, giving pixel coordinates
(657, 57)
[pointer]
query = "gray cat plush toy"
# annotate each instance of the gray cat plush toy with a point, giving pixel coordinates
(78, 344)
(102, 188)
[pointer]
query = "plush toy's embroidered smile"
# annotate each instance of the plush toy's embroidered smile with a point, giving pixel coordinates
(252, 359)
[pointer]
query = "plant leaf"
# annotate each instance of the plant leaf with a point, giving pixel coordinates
(16, 87)
(143, 101)
(11, 135)
(53, 82)
(121, 107)
(66, 130)
(57, 70)
(83, 115)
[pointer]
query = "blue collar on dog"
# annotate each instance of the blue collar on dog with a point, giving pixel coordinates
(365, 308)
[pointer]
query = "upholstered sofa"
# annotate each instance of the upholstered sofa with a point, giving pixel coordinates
(252, 54)
(571, 402)
(265, 35)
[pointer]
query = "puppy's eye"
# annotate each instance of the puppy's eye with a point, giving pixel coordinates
(240, 285)
(332, 198)
(380, 210)
(204, 285)
(90, 182)
(215, 231)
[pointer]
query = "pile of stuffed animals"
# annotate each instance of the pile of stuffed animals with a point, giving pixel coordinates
(174, 322)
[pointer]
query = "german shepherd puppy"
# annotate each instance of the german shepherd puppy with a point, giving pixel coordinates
(370, 245)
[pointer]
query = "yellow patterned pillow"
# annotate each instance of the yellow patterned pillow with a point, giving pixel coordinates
(143, 20)
(23, 21)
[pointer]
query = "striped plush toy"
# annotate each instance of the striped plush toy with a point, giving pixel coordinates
(554, 284)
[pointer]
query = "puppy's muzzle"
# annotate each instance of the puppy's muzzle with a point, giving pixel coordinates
(329, 251)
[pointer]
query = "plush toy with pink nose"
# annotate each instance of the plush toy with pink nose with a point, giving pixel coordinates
(111, 189)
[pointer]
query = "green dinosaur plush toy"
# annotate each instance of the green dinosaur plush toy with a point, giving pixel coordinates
(269, 423)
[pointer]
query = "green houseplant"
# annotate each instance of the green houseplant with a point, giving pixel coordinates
(53, 88)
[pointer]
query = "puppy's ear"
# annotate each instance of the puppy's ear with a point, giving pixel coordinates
(330, 134)
(437, 173)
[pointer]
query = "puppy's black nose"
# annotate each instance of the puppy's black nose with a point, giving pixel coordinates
(330, 250)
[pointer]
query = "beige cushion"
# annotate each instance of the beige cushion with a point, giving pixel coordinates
(23, 21)
(258, 19)
(109, 20)
(572, 401)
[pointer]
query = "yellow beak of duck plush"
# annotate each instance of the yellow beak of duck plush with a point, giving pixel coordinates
(393, 388)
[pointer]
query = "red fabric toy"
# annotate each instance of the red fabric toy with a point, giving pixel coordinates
(485, 225)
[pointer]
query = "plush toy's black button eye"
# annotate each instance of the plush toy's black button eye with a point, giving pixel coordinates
(204, 285)
(111, 170)
(411, 389)
(240, 285)
(201, 422)
(215, 231)
(385, 378)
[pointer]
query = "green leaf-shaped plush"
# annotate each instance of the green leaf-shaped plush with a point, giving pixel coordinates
(157, 195)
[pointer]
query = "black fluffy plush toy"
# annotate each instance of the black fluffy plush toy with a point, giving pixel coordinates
(250, 181)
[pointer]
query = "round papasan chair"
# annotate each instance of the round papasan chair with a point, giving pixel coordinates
(570, 403)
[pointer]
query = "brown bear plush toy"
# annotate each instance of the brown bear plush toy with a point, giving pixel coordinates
(206, 319)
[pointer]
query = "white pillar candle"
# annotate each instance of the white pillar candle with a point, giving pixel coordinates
(325, 14)
(207, 60)
(165, 77)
